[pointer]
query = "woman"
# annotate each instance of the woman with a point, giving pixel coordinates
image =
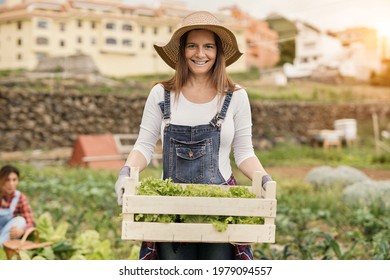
(201, 113)
(15, 212)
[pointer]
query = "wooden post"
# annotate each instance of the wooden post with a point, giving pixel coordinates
(257, 183)
(130, 186)
(268, 192)
(376, 134)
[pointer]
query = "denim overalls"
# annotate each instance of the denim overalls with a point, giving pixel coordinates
(6, 215)
(191, 155)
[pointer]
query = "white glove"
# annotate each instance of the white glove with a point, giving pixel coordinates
(120, 183)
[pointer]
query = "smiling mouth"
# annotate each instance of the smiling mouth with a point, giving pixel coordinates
(199, 62)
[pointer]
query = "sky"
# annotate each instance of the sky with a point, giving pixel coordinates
(331, 15)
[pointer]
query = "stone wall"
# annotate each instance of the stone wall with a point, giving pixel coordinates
(31, 120)
(45, 121)
(297, 118)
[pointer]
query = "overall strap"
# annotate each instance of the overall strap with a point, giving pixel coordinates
(165, 107)
(220, 116)
(15, 201)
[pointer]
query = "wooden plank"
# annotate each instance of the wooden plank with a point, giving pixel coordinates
(130, 186)
(125, 148)
(199, 205)
(102, 158)
(257, 184)
(188, 232)
(270, 193)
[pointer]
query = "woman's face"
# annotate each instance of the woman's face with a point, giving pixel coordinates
(10, 184)
(200, 51)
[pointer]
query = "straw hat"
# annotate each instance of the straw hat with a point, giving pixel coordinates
(200, 20)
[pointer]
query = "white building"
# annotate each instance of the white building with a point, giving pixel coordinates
(119, 38)
(313, 48)
(352, 53)
(362, 52)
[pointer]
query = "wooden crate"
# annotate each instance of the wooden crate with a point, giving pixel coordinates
(264, 205)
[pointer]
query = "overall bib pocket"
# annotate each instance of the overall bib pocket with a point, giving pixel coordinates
(191, 159)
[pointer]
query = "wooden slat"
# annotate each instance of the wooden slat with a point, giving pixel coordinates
(131, 184)
(270, 192)
(257, 188)
(188, 232)
(102, 158)
(224, 187)
(200, 205)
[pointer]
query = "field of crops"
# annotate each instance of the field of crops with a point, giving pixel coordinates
(77, 210)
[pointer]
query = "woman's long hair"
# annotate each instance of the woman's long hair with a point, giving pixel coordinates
(219, 77)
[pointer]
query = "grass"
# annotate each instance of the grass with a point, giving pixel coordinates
(317, 92)
(295, 90)
(304, 155)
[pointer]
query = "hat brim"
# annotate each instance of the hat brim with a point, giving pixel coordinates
(169, 52)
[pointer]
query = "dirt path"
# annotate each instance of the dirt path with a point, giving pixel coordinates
(63, 154)
(300, 172)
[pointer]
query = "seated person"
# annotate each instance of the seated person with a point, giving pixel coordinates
(15, 212)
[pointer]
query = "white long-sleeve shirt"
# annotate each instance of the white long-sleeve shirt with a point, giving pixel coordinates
(236, 129)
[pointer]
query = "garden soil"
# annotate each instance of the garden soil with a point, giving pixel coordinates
(299, 172)
(61, 155)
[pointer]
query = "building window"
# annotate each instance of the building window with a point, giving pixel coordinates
(309, 45)
(19, 42)
(62, 43)
(304, 60)
(40, 56)
(93, 24)
(126, 42)
(155, 30)
(79, 23)
(111, 41)
(19, 25)
(42, 41)
(170, 29)
(110, 25)
(142, 45)
(19, 56)
(43, 24)
(62, 26)
(93, 41)
(142, 29)
(79, 40)
(127, 27)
